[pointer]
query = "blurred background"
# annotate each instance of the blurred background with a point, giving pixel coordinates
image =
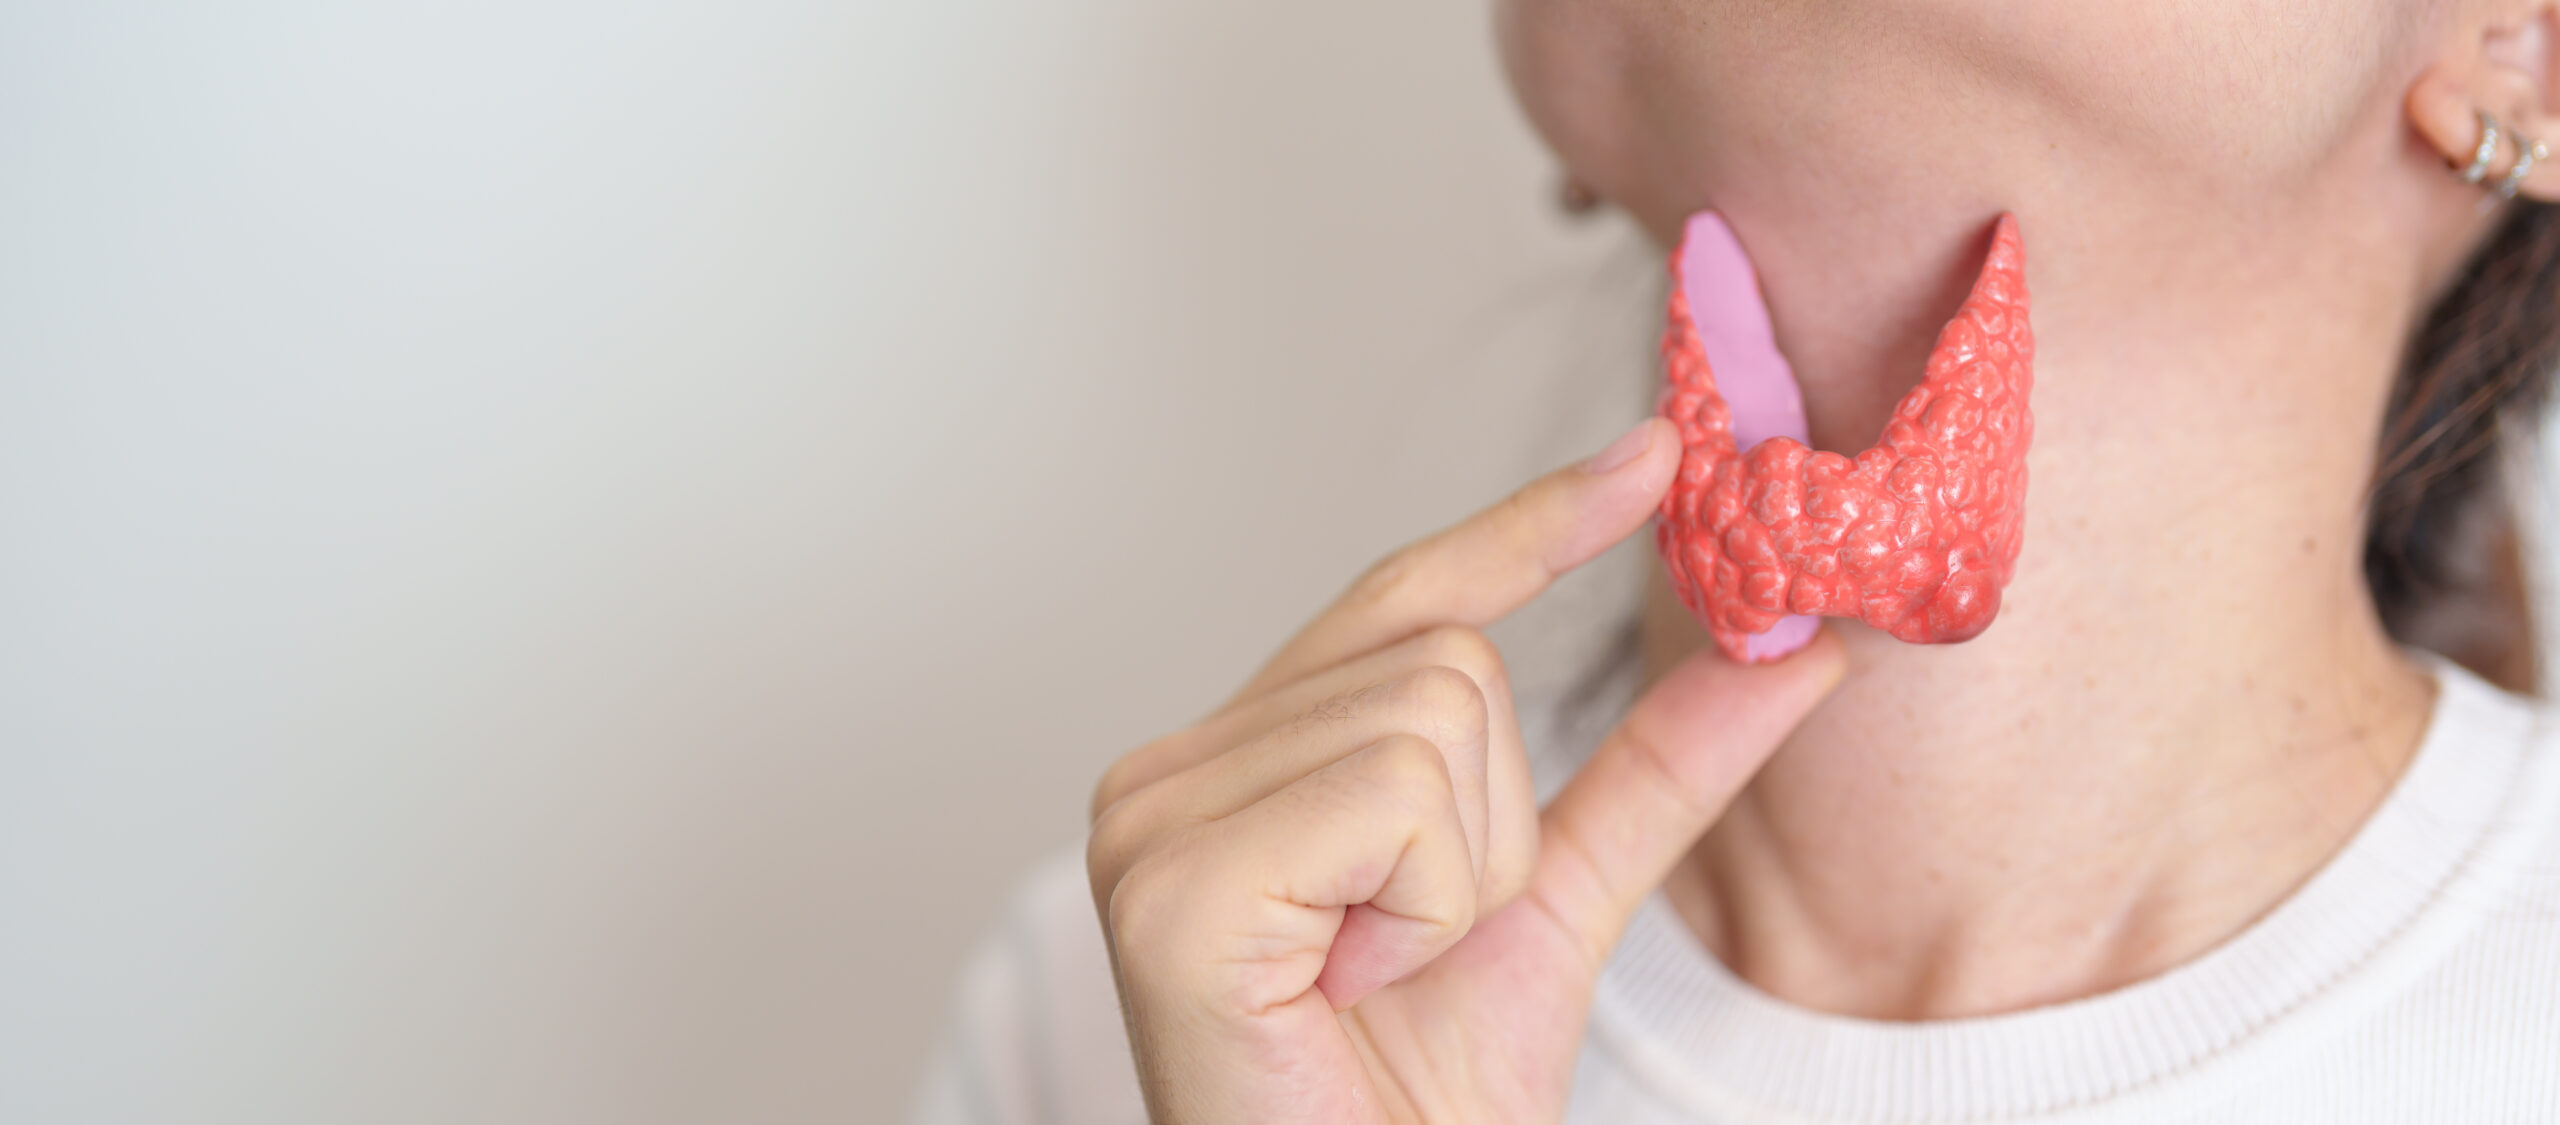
(558, 560)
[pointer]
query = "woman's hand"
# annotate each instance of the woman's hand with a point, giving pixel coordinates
(1335, 899)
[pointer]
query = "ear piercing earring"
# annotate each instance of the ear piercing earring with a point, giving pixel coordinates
(2528, 153)
(2487, 153)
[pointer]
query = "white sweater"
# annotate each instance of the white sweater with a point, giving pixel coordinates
(2415, 978)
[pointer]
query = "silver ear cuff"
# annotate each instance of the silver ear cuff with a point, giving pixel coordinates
(2529, 152)
(2486, 154)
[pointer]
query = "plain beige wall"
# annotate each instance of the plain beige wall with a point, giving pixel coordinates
(556, 559)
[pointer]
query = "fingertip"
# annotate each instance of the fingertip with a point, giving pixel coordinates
(1341, 997)
(1813, 672)
(1661, 460)
(1708, 688)
(1610, 504)
(1826, 660)
(1648, 451)
(1641, 486)
(1624, 450)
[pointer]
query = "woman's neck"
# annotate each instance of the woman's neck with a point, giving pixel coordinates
(2186, 704)
(1976, 832)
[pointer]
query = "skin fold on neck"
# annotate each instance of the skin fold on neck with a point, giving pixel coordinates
(2187, 704)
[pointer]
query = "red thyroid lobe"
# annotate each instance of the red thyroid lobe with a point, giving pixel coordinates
(1916, 535)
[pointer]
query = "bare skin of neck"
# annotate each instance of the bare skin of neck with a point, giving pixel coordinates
(1941, 841)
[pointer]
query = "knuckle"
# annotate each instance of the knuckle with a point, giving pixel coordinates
(1112, 832)
(1447, 701)
(1392, 578)
(1411, 768)
(1137, 909)
(1109, 789)
(1521, 520)
(1467, 650)
(1114, 847)
(1454, 905)
(1460, 647)
(1464, 908)
(1663, 771)
(1514, 511)
(1501, 885)
(1137, 769)
(1441, 922)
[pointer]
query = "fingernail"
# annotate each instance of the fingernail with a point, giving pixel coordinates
(1629, 446)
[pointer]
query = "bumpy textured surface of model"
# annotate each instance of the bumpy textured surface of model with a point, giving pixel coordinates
(1916, 536)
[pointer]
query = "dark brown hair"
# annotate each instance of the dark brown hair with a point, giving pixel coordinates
(2444, 553)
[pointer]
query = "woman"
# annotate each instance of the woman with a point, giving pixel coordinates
(2202, 829)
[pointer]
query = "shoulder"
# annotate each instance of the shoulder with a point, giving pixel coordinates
(2521, 848)
(1035, 1033)
(2504, 970)
(2525, 845)
(2494, 799)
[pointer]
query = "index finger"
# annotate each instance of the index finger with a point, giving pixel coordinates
(1477, 571)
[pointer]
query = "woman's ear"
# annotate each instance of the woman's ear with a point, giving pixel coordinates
(2502, 66)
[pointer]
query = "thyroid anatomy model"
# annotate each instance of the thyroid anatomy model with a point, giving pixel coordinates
(1916, 535)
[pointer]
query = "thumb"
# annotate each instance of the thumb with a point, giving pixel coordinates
(1662, 777)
